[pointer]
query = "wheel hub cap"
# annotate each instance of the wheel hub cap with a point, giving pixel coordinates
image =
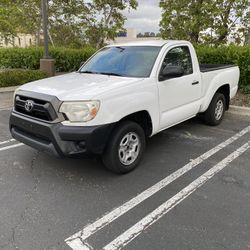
(129, 148)
(219, 110)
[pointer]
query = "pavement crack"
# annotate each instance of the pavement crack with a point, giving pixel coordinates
(32, 165)
(13, 235)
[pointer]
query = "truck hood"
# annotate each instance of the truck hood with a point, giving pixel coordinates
(76, 86)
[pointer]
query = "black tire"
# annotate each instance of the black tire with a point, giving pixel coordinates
(112, 155)
(211, 117)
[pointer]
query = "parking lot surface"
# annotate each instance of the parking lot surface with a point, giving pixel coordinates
(191, 191)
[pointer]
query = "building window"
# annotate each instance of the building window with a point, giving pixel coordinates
(19, 41)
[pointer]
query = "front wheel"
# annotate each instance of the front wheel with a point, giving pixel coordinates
(215, 112)
(125, 148)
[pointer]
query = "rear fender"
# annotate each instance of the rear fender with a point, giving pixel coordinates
(228, 76)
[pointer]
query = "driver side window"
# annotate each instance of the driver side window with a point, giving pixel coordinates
(179, 56)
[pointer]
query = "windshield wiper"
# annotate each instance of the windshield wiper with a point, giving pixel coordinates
(120, 48)
(110, 74)
(100, 73)
(88, 72)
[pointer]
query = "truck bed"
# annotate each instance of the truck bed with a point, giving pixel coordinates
(212, 67)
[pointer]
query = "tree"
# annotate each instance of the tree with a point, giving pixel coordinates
(30, 18)
(204, 21)
(247, 37)
(8, 21)
(67, 22)
(71, 23)
(66, 19)
(184, 19)
(106, 19)
(230, 17)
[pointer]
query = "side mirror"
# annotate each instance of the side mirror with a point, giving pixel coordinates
(171, 72)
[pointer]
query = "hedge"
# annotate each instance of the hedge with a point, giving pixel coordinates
(239, 55)
(29, 58)
(15, 77)
(70, 59)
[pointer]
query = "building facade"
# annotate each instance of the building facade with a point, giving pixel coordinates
(130, 35)
(21, 40)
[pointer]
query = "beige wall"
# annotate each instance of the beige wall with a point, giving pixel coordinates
(22, 40)
(131, 37)
(127, 39)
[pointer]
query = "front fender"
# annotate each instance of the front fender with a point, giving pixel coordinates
(119, 103)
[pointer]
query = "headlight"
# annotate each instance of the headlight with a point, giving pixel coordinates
(14, 96)
(80, 111)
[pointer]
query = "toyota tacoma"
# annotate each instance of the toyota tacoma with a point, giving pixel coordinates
(123, 94)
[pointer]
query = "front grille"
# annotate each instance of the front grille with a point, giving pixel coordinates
(41, 109)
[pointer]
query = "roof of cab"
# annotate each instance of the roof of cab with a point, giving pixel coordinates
(157, 43)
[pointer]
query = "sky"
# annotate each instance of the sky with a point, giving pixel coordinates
(145, 18)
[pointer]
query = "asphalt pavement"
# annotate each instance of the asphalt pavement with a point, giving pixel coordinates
(191, 191)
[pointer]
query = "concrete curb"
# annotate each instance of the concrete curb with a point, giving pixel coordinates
(8, 89)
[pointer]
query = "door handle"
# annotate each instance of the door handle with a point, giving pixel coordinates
(195, 82)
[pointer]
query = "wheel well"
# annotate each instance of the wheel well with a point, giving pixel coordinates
(225, 90)
(143, 119)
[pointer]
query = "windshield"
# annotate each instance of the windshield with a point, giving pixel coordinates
(134, 61)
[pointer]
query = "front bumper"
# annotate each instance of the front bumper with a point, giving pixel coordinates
(58, 139)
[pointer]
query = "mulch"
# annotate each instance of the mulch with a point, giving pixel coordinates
(241, 100)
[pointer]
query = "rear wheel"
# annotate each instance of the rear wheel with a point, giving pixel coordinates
(125, 148)
(215, 112)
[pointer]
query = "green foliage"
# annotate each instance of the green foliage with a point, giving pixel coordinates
(184, 19)
(71, 23)
(29, 58)
(24, 16)
(67, 21)
(106, 19)
(8, 20)
(229, 55)
(70, 59)
(13, 77)
(210, 22)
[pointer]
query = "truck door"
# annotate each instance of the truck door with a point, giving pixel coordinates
(179, 97)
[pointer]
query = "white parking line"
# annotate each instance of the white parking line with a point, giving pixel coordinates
(154, 216)
(6, 109)
(4, 142)
(12, 146)
(78, 240)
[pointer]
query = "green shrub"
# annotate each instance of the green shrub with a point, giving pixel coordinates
(69, 59)
(29, 58)
(15, 77)
(229, 55)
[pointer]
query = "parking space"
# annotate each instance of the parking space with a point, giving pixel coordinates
(191, 191)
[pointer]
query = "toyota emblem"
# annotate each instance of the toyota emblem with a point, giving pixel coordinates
(29, 105)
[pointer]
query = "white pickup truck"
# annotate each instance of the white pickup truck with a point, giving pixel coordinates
(119, 97)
